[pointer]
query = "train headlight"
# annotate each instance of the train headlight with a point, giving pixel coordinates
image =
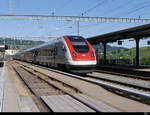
(74, 55)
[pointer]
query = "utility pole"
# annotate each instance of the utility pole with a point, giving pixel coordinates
(10, 6)
(78, 28)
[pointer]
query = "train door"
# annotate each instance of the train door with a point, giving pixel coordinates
(35, 56)
(62, 54)
(55, 54)
(59, 54)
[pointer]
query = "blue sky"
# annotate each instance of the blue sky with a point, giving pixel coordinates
(99, 8)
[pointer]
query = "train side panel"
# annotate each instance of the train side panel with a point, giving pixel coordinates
(61, 57)
(52, 54)
(45, 55)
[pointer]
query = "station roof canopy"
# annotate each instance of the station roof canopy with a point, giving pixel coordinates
(139, 31)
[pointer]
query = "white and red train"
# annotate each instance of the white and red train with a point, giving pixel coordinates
(72, 52)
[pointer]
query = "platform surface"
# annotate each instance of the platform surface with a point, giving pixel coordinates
(10, 96)
(65, 103)
(123, 67)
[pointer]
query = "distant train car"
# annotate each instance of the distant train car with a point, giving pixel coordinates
(71, 52)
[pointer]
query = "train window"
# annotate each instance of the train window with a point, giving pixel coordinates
(63, 48)
(148, 42)
(45, 52)
(79, 44)
(36, 53)
(55, 51)
(51, 52)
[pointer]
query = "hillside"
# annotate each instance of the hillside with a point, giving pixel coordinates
(127, 56)
(131, 53)
(108, 47)
(19, 44)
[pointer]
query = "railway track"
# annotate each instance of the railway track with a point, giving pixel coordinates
(135, 80)
(122, 80)
(132, 91)
(41, 85)
(125, 73)
(123, 88)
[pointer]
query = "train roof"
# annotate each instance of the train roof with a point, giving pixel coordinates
(47, 43)
(42, 45)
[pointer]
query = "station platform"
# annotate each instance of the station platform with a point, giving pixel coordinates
(141, 70)
(8, 103)
(10, 100)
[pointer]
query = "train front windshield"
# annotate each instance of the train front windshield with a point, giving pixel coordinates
(79, 44)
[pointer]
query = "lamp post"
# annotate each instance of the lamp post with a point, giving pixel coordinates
(78, 27)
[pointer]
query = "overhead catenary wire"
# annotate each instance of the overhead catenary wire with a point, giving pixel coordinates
(61, 6)
(112, 10)
(137, 9)
(132, 10)
(89, 10)
(94, 7)
(123, 5)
